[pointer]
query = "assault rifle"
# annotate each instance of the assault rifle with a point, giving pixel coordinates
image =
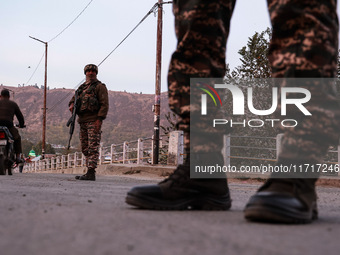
(72, 121)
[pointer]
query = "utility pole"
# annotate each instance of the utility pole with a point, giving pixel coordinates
(45, 92)
(157, 105)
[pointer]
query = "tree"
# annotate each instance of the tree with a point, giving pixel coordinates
(169, 126)
(171, 123)
(26, 146)
(253, 72)
(254, 65)
(254, 59)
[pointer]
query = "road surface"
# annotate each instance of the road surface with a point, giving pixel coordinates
(51, 214)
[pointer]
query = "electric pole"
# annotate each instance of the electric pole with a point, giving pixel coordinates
(157, 105)
(45, 92)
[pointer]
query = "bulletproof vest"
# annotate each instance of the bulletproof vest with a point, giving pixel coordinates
(87, 98)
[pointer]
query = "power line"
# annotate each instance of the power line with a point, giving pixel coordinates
(35, 68)
(71, 22)
(152, 10)
(58, 103)
(58, 36)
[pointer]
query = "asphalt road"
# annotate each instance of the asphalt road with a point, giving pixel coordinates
(55, 214)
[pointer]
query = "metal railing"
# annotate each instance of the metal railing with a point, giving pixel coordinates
(238, 150)
(133, 152)
(257, 150)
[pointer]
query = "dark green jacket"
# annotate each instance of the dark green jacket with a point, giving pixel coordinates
(103, 99)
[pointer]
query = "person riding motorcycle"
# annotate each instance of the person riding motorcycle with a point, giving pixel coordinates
(8, 109)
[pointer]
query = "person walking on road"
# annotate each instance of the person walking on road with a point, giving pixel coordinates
(304, 44)
(92, 105)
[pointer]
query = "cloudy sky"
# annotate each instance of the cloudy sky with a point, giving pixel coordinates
(96, 32)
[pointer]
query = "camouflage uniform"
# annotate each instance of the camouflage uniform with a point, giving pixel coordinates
(90, 141)
(89, 137)
(304, 44)
(202, 28)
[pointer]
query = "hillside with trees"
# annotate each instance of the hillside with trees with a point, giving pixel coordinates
(130, 115)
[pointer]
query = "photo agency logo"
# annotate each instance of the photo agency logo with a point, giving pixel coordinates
(295, 96)
(204, 98)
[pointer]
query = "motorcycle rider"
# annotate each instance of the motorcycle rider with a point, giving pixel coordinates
(8, 109)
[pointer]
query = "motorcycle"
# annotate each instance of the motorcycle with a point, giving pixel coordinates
(7, 153)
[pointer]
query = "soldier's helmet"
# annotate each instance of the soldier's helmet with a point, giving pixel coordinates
(91, 67)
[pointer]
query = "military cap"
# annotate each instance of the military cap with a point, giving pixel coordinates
(90, 67)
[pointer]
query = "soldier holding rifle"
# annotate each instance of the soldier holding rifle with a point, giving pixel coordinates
(91, 104)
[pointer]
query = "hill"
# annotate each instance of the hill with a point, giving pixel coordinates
(130, 115)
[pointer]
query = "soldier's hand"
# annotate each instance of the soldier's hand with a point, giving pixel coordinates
(98, 125)
(71, 107)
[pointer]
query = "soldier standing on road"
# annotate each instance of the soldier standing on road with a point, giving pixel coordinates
(92, 108)
(304, 44)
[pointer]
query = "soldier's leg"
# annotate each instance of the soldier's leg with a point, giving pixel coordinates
(305, 45)
(84, 143)
(202, 28)
(93, 142)
(84, 140)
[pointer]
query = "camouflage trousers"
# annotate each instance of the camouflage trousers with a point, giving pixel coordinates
(90, 141)
(304, 44)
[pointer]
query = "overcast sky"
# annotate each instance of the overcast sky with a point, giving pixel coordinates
(94, 35)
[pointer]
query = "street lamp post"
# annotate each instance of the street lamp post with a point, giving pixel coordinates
(45, 92)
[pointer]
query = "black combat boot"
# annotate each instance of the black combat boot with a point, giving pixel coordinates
(89, 176)
(179, 192)
(284, 201)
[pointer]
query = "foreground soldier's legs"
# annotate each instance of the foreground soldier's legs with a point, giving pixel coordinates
(202, 28)
(305, 45)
